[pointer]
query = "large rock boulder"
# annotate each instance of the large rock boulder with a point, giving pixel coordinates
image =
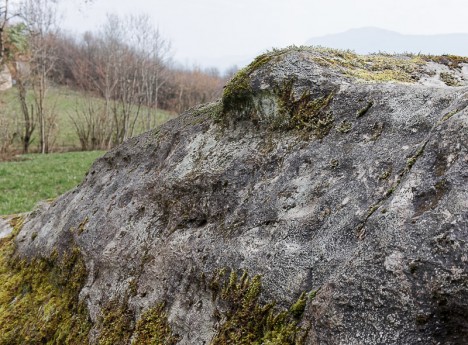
(340, 180)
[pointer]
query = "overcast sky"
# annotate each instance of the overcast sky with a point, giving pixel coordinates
(205, 30)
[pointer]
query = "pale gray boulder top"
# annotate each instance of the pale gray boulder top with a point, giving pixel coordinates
(318, 170)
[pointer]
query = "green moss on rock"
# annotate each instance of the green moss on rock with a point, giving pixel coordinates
(249, 321)
(153, 328)
(314, 116)
(363, 111)
(305, 113)
(39, 298)
(238, 93)
(116, 325)
(297, 309)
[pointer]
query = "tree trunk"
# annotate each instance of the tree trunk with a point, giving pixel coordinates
(28, 116)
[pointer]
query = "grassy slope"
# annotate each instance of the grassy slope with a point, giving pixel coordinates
(65, 101)
(39, 177)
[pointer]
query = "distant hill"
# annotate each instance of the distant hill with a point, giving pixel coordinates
(370, 40)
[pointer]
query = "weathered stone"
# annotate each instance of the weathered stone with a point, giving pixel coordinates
(373, 216)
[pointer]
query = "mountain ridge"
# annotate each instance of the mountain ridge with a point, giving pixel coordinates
(367, 40)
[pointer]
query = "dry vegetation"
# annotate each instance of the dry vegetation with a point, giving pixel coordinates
(123, 72)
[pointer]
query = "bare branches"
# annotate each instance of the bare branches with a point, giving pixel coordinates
(127, 63)
(3, 23)
(92, 124)
(40, 19)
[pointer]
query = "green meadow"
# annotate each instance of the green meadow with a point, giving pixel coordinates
(36, 177)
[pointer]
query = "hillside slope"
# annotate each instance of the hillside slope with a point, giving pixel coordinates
(329, 183)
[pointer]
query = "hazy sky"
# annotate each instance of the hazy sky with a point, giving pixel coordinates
(205, 30)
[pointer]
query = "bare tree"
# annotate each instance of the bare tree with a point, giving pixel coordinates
(7, 135)
(28, 111)
(92, 124)
(156, 55)
(137, 57)
(13, 45)
(98, 69)
(94, 63)
(5, 17)
(3, 23)
(192, 87)
(40, 18)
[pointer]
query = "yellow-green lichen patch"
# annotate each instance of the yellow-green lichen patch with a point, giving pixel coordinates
(385, 175)
(153, 328)
(115, 324)
(384, 68)
(249, 321)
(379, 67)
(452, 61)
(372, 67)
(449, 115)
(16, 222)
(344, 127)
(449, 79)
(39, 298)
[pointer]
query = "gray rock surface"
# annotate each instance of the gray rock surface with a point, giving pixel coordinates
(370, 208)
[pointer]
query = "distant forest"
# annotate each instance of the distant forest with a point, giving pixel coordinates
(123, 73)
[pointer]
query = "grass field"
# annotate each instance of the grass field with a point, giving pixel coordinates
(66, 101)
(38, 177)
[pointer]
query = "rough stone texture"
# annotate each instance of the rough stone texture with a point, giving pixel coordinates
(374, 215)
